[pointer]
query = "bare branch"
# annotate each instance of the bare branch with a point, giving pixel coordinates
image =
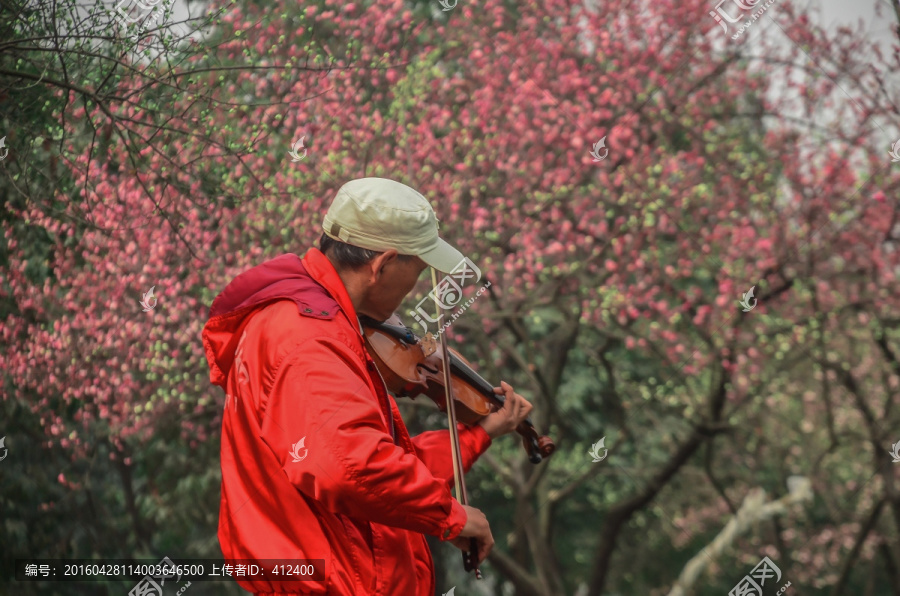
(753, 509)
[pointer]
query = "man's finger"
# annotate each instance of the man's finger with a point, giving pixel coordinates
(501, 390)
(488, 547)
(483, 550)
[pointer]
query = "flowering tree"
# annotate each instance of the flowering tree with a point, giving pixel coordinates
(617, 268)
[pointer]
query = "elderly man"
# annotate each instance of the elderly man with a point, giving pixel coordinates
(316, 460)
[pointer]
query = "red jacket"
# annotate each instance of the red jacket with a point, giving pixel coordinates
(309, 466)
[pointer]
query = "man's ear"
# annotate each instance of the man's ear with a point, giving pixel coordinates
(378, 263)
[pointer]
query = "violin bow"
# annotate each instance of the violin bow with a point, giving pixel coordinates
(470, 558)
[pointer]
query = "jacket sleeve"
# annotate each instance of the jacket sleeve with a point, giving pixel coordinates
(324, 425)
(433, 448)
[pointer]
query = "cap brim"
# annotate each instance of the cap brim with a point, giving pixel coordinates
(443, 257)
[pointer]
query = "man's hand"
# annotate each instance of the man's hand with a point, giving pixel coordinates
(506, 419)
(476, 527)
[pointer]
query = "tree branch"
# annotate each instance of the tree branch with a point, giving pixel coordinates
(526, 584)
(753, 509)
(864, 531)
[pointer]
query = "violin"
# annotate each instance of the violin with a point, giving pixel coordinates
(412, 366)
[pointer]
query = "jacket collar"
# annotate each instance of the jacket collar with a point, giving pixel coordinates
(283, 277)
(323, 272)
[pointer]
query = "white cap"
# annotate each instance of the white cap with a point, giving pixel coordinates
(380, 214)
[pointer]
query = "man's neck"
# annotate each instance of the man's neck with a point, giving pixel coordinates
(353, 284)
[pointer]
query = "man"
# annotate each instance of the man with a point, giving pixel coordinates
(316, 460)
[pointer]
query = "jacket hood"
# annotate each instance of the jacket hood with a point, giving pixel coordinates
(282, 278)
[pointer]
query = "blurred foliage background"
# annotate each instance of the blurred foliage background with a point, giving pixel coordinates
(156, 155)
